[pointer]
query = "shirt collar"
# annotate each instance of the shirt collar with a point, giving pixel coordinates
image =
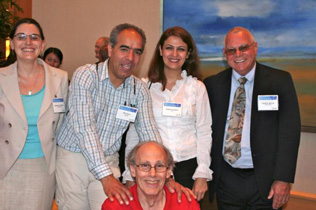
(105, 70)
(105, 74)
(250, 76)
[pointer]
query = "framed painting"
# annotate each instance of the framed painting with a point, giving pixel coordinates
(284, 30)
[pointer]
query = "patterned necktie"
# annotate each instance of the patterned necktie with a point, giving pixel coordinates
(232, 150)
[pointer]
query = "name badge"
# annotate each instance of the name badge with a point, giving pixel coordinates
(171, 109)
(126, 113)
(58, 105)
(268, 102)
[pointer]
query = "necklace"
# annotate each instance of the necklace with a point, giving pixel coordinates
(29, 92)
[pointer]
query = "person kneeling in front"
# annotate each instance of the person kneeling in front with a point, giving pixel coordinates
(151, 164)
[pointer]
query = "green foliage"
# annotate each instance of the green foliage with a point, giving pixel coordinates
(7, 19)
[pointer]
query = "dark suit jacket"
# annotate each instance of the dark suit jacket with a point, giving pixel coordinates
(274, 135)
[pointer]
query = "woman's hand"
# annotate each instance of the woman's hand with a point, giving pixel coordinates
(199, 188)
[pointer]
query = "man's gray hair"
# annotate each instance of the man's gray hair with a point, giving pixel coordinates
(132, 155)
(119, 28)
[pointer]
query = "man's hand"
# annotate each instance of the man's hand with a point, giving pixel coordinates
(129, 184)
(179, 189)
(280, 191)
(199, 188)
(112, 187)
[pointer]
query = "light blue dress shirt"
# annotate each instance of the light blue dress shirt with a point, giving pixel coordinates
(245, 161)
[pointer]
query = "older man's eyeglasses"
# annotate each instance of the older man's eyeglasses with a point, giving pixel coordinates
(23, 37)
(159, 168)
(243, 48)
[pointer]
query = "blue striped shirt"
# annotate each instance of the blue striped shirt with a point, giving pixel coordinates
(90, 125)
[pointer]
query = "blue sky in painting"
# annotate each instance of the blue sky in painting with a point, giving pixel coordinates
(281, 28)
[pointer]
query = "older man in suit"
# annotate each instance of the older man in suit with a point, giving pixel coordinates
(256, 129)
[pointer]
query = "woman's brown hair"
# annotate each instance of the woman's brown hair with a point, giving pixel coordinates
(191, 64)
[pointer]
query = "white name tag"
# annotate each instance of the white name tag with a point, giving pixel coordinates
(268, 102)
(126, 113)
(58, 105)
(171, 109)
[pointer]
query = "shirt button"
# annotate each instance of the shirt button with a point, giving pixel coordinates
(53, 122)
(6, 141)
(53, 139)
(10, 125)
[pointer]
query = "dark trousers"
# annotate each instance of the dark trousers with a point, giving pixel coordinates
(183, 172)
(237, 190)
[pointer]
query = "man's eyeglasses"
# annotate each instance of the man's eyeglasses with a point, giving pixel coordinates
(23, 37)
(159, 168)
(243, 48)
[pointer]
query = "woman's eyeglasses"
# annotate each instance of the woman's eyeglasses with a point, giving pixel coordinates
(23, 37)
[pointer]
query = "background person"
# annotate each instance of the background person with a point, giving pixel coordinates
(53, 57)
(28, 121)
(255, 146)
(151, 165)
(102, 41)
(104, 53)
(186, 132)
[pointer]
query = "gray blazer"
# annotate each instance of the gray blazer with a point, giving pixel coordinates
(13, 123)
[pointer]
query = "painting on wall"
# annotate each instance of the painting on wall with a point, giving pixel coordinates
(284, 30)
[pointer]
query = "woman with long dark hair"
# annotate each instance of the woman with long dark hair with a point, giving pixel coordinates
(181, 108)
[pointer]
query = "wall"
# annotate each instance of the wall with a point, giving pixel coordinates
(306, 166)
(26, 5)
(75, 25)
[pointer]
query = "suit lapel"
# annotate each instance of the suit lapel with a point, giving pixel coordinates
(261, 84)
(51, 86)
(10, 86)
(225, 91)
(224, 95)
